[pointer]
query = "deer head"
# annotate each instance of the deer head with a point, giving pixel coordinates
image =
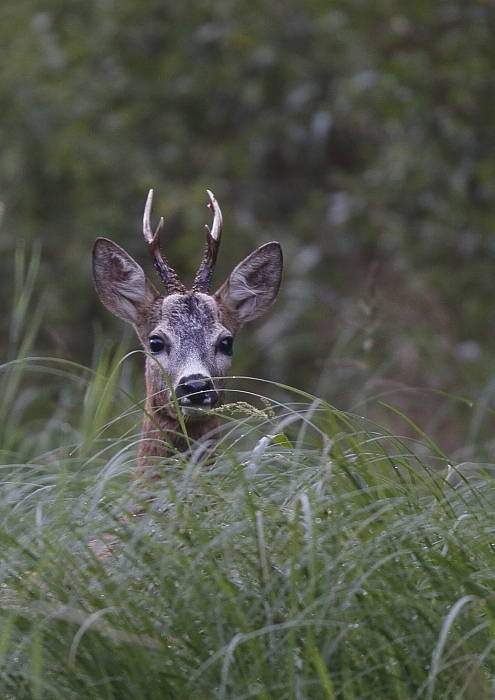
(187, 335)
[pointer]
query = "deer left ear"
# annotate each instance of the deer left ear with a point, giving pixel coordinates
(253, 285)
(120, 282)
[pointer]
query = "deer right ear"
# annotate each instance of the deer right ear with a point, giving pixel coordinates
(120, 282)
(253, 285)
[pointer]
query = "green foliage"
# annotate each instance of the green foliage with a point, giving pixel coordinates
(358, 134)
(318, 556)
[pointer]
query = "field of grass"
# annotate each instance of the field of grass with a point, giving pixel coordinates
(318, 557)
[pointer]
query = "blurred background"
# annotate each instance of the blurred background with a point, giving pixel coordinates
(358, 134)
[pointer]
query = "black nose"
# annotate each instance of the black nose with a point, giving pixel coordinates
(196, 390)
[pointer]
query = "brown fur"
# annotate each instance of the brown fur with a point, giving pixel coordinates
(192, 326)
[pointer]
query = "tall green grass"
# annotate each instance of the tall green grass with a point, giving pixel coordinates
(317, 557)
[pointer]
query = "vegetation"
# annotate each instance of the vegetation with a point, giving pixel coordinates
(358, 134)
(327, 553)
(323, 563)
(318, 557)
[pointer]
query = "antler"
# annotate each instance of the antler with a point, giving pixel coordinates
(202, 281)
(169, 277)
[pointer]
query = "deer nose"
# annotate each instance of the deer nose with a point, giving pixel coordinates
(196, 390)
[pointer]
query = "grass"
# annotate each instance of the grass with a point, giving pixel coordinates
(318, 557)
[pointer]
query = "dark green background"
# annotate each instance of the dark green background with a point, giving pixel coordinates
(358, 134)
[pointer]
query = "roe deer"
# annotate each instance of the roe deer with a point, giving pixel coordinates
(187, 335)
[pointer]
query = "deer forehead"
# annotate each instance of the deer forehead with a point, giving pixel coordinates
(190, 315)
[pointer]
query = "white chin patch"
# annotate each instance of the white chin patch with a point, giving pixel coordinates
(196, 413)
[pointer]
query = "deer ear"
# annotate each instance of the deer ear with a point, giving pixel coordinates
(253, 285)
(120, 282)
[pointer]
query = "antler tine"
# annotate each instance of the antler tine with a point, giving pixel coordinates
(169, 277)
(216, 230)
(202, 280)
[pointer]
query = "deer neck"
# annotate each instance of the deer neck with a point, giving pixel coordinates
(163, 436)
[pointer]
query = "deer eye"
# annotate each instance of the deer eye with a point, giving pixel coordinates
(157, 344)
(225, 345)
